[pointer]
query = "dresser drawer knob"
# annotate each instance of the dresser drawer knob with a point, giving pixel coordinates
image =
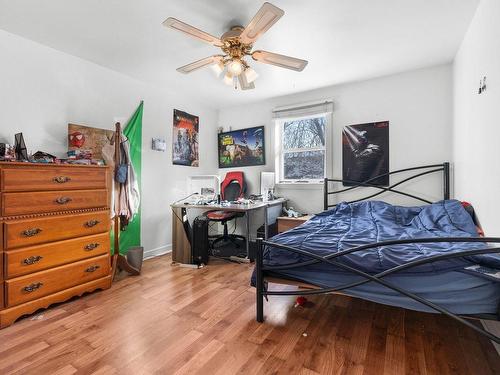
(61, 179)
(63, 200)
(91, 246)
(31, 232)
(32, 287)
(91, 223)
(92, 268)
(32, 260)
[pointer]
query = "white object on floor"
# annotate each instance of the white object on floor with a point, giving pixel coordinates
(239, 259)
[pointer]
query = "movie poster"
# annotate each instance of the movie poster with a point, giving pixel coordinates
(242, 148)
(365, 153)
(185, 139)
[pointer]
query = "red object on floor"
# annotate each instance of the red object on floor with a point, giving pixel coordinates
(300, 301)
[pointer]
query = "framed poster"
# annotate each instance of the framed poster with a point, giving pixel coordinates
(91, 143)
(242, 148)
(365, 153)
(185, 139)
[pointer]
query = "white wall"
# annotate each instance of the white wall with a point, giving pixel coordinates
(476, 117)
(42, 89)
(418, 105)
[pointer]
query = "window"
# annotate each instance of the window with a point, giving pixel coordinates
(301, 147)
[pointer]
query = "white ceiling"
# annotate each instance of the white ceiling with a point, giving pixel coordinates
(344, 40)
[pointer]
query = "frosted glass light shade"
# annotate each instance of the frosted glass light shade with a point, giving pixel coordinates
(218, 68)
(228, 79)
(235, 67)
(250, 75)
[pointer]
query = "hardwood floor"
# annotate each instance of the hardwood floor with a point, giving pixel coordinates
(177, 320)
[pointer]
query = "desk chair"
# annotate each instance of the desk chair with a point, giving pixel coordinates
(232, 188)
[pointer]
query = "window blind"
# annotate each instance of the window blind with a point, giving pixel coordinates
(304, 110)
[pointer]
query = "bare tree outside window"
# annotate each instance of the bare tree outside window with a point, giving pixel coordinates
(303, 149)
(304, 133)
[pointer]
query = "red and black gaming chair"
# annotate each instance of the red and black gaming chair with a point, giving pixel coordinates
(232, 188)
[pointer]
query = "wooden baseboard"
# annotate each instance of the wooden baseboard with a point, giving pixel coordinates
(10, 315)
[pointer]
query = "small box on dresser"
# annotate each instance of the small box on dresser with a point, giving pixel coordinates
(54, 235)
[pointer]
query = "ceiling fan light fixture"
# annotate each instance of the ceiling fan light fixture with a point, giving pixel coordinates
(235, 67)
(218, 68)
(228, 79)
(250, 75)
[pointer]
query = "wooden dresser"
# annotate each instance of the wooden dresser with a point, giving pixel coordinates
(54, 236)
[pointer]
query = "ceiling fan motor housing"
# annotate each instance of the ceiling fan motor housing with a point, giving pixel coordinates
(232, 44)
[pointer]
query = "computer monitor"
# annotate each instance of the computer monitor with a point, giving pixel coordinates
(205, 186)
(267, 181)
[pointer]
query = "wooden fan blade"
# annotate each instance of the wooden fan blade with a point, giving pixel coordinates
(192, 31)
(244, 85)
(282, 61)
(200, 64)
(267, 16)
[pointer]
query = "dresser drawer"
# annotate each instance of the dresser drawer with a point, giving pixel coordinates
(20, 233)
(53, 178)
(41, 257)
(52, 201)
(39, 284)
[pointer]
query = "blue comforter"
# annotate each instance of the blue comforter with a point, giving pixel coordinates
(354, 224)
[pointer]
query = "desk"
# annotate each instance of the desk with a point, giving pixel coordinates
(180, 241)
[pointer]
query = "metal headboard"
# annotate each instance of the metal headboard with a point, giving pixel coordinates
(428, 169)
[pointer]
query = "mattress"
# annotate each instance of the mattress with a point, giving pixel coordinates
(454, 284)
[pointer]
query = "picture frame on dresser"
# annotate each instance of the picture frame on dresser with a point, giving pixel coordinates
(20, 147)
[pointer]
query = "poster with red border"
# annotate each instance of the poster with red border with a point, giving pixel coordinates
(185, 139)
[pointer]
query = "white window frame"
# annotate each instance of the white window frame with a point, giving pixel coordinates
(280, 152)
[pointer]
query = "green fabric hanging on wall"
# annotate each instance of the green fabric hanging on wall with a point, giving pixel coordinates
(133, 131)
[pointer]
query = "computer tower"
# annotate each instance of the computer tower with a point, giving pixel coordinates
(199, 242)
(272, 230)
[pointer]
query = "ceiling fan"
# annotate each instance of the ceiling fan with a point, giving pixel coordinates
(236, 44)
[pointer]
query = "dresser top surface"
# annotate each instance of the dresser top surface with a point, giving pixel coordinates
(50, 165)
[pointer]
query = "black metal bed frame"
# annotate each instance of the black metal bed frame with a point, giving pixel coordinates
(262, 270)
(433, 168)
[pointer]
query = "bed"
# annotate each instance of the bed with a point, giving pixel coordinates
(427, 258)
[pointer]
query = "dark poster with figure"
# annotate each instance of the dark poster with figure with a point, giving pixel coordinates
(185, 139)
(365, 153)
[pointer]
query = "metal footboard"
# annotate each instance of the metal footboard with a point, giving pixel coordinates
(263, 270)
